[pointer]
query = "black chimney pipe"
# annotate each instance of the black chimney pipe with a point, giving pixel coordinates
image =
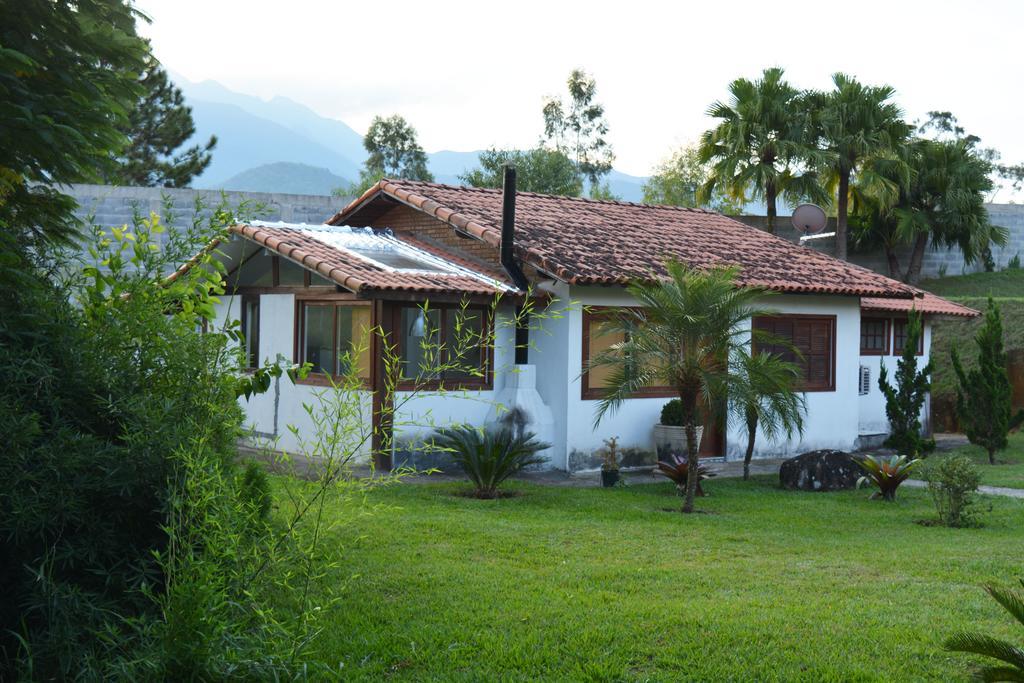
(508, 230)
(508, 261)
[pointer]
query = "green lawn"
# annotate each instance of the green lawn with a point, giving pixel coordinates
(594, 584)
(1005, 283)
(1009, 468)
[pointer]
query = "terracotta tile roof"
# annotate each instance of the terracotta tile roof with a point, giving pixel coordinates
(359, 274)
(584, 241)
(927, 303)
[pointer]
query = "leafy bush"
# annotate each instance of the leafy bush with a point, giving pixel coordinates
(489, 456)
(678, 469)
(885, 472)
(1014, 263)
(904, 401)
(672, 413)
(952, 481)
(254, 490)
(1009, 656)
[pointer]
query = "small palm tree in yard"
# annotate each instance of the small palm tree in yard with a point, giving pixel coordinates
(1010, 657)
(489, 456)
(766, 399)
(692, 333)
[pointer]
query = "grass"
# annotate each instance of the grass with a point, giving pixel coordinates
(604, 585)
(1009, 468)
(1004, 283)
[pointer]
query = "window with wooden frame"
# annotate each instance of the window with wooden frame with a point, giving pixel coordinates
(598, 337)
(813, 346)
(251, 331)
(899, 337)
(334, 337)
(259, 268)
(874, 336)
(446, 344)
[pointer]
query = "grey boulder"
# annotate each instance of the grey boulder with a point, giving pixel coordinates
(824, 470)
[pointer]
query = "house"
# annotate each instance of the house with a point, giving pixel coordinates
(307, 292)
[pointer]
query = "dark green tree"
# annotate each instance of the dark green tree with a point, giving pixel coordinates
(69, 73)
(545, 171)
(905, 400)
(984, 395)
(159, 125)
(578, 129)
(851, 125)
(393, 153)
(760, 146)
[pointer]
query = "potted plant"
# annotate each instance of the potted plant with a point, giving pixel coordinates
(610, 466)
(670, 433)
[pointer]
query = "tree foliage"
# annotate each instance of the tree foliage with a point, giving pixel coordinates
(159, 124)
(760, 146)
(691, 332)
(540, 170)
(678, 181)
(393, 153)
(69, 74)
(984, 395)
(766, 398)
(578, 128)
(905, 400)
(852, 125)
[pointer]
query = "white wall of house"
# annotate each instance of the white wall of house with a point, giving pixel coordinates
(871, 406)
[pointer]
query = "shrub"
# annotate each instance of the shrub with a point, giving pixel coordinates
(489, 456)
(672, 413)
(1014, 263)
(254, 491)
(1010, 657)
(678, 469)
(952, 481)
(885, 472)
(610, 454)
(904, 401)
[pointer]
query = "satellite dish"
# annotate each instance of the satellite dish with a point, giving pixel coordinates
(809, 219)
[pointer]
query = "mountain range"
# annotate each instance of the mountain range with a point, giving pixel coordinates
(279, 145)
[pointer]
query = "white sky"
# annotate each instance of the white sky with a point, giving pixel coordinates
(469, 75)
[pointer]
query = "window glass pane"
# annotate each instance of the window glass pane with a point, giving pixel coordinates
(419, 338)
(354, 340)
(899, 338)
(873, 337)
(290, 274)
(319, 281)
(256, 272)
(318, 338)
(465, 343)
(601, 338)
(251, 330)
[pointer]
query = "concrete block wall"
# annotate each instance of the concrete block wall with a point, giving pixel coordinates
(937, 262)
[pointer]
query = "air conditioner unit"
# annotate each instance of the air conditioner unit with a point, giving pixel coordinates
(864, 385)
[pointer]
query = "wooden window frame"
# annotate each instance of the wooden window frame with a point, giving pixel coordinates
(485, 383)
(802, 384)
(588, 393)
(898, 350)
(246, 299)
(884, 351)
(298, 350)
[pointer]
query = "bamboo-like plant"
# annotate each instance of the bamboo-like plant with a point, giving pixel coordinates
(1009, 656)
(885, 472)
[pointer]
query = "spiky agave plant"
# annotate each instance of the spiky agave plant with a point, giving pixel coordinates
(489, 456)
(1010, 656)
(885, 472)
(678, 469)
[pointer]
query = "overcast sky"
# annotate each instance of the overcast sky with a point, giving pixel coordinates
(469, 75)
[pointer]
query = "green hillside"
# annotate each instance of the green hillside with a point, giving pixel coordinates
(1007, 287)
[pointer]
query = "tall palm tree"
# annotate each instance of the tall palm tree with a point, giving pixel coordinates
(1010, 657)
(767, 399)
(852, 124)
(691, 333)
(760, 146)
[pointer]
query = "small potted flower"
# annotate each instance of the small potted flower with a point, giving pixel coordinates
(610, 466)
(670, 434)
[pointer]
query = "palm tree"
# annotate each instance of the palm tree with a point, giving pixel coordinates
(691, 334)
(759, 143)
(851, 125)
(1010, 656)
(768, 400)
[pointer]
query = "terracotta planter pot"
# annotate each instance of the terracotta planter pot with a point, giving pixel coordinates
(669, 440)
